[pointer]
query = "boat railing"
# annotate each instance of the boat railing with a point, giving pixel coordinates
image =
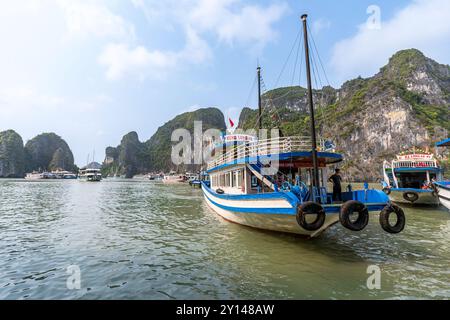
(415, 164)
(265, 147)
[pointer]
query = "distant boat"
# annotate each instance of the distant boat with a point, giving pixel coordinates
(66, 175)
(40, 176)
(90, 175)
(443, 187)
(174, 178)
(409, 178)
(35, 176)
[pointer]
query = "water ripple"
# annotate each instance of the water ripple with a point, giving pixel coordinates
(140, 240)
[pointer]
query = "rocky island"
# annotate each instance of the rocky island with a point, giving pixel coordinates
(47, 151)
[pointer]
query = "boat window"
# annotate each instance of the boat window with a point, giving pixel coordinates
(414, 180)
(239, 178)
(233, 179)
(254, 181)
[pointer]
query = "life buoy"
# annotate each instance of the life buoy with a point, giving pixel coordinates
(220, 191)
(387, 191)
(385, 215)
(348, 209)
(311, 208)
(411, 196)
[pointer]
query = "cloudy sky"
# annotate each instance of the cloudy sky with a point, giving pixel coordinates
(94, 70)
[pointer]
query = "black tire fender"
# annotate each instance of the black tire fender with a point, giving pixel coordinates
(311, 208)
(220, 191)
(384, 219)
(351, 207)
(411, 196)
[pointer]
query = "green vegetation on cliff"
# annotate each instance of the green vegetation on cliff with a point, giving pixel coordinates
(406, 104)
(12, 161)
(48, 151)
(133, 157)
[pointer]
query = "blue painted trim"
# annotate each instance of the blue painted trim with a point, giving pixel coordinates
(445, 143)
(411, 190)
(424, 169)
(329, 209)
(281, 157)
(277, 211)
(443, 184)
(291, 198)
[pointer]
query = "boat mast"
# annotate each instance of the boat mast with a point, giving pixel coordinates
(316, 180)
(259, 97)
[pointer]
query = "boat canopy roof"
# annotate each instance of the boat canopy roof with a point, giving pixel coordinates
(293, 152)
(445, 143)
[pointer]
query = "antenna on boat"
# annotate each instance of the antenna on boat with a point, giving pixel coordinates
(316, 180)
(259, 96)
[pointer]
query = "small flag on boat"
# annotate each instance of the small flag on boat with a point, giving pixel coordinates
(231, 122)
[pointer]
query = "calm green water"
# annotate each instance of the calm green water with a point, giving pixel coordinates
(141, 240)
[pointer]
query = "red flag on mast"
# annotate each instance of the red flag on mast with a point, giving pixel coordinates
(231, 122)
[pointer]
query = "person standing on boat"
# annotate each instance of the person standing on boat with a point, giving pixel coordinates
(336, 179)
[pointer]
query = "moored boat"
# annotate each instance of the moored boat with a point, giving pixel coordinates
(443, 187)
(409, 178)
(279, 184)
(40, 176)
(91, 173)
(66, 175)
(174, 178)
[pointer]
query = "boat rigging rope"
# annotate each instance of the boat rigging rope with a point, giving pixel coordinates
(287, 59)
(250, 94)
(316, 73)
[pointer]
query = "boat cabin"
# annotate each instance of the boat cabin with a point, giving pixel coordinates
(412, 171)
(262, 166)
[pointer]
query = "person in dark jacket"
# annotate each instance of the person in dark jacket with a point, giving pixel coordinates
(336, 179)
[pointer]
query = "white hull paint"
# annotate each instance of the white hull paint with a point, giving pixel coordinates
(279, 222)
(425, 198)
(444, 196)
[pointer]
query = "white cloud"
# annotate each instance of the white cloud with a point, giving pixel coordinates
(424, 24)
(320, 25)
(229, 21)
(120, 59)
(248, 24)
(94, 19)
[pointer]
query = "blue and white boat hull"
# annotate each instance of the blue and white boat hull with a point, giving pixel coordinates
(413, 196)
(277, 211)
(444, 193)
(274, 214)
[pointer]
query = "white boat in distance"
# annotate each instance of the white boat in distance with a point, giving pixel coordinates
(40, 176)
(90, 175)
(173, 178)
